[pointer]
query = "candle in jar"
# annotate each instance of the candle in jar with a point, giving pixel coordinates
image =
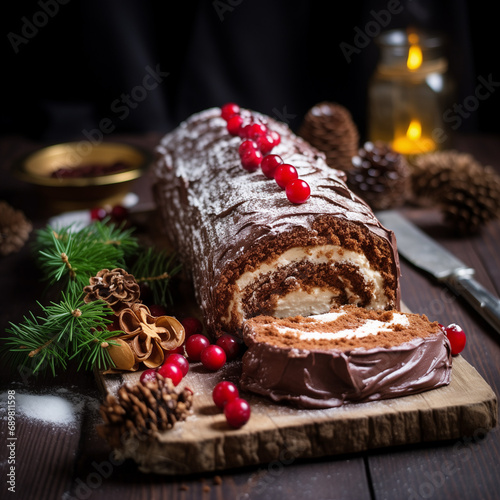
(413, 142)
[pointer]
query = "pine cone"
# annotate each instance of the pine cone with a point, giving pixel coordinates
(14, 229)
(467, 192)
(143, 410)
(329, 127)
(117, 287)
(380, 176)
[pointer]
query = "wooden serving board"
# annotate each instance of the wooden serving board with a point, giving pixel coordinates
(281, 434)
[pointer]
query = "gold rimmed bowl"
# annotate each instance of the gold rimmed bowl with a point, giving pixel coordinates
(77, 175)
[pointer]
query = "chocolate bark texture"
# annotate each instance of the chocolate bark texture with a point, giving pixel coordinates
(248, 249)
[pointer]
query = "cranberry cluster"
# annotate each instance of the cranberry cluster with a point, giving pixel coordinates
(212, 356)
(227, 398)
(255, 148)
(196, 347)
(116, 213)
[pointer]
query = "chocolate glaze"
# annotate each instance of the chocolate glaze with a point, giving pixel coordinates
(326, 378)
(223, 219)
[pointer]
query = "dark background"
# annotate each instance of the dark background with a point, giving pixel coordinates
(279, 57)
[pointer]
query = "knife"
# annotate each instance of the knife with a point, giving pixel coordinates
(426, 254)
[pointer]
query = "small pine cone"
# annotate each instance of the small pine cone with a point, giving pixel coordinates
(143, 410)
(380, 176)
(329, 127)
(14, 229)
(467, 192)
(431, 173)
(117, 287)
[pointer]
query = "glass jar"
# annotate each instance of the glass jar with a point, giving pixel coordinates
(409, 92)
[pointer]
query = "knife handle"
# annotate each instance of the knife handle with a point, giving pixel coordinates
(481, 299)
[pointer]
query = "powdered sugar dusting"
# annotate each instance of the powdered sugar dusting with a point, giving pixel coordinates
(215, 211)
(59, 408)
(203, 140)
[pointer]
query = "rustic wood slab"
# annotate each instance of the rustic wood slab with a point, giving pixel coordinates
(276, 432)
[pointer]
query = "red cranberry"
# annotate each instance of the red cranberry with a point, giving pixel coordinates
(157, 310)
(194, 345)
(178, 350)
(234, 124)
(171, 371)
(230, 345)
(192, 326)
(119, 213)
(457, 338)
(275, 137)
(244, 132)
(179, 360)
(256, 129)
(98, 213)
(247, 146)
(269, 165)
(148, 375)
(265, 143)
(250, 155)
(213, 357)
(237, 412)
(298, 191)
(224, 392)
(228, 110)
(284, 174)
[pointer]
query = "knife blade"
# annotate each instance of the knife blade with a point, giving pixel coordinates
(424, 253)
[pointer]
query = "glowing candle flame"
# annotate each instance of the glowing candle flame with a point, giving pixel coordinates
(413, 142)
(414, 131)
(414, 60)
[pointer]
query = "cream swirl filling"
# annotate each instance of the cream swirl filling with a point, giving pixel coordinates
(369, 327)
(311, 300)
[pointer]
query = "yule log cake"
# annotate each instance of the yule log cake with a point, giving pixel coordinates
(251, 251)
(348, 355)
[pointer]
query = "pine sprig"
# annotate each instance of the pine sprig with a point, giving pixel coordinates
(115, 235)
(93, 351)
(156, 268)
(61, 332)
(75, 256)
(71, 329)
(32, 343)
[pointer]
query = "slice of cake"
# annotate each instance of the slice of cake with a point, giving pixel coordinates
(348, 355)
(249, 250)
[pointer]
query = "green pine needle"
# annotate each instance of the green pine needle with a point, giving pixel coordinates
(71, 329)
(156, 268)
(76, 255)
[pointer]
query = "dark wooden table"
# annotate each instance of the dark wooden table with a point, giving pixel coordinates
(67, 461)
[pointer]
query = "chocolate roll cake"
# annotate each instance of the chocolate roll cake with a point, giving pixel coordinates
(249, 250)
(348, 355)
